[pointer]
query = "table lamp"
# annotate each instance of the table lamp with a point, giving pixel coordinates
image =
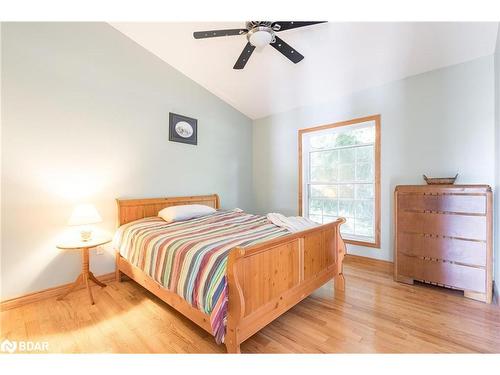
(84, 215)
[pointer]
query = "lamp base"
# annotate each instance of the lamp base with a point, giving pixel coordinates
(86, 235)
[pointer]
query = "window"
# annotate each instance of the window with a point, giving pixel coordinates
(340, 177)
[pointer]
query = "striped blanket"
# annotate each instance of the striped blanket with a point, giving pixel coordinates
(190, 257)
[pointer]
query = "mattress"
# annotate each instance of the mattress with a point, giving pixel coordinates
(189, 257)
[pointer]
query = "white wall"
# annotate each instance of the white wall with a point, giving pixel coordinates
(496, 233)
(438, 123)
(85, 118)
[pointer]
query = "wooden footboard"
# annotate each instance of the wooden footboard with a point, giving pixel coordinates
(267, 279)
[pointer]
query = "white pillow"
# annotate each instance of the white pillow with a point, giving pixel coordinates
(185, 212)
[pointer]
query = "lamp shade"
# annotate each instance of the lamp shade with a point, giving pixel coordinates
(84, 214)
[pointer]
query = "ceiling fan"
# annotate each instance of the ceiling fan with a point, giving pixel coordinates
(260, 34)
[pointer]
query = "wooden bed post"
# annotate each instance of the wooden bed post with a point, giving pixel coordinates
(118, 275)
(236, 302)
(339, 280)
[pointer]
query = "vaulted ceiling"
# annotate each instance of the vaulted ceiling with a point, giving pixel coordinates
(340, 58)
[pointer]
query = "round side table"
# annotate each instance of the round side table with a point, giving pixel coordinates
(86, 275)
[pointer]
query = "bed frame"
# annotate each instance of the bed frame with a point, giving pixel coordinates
(264, 280)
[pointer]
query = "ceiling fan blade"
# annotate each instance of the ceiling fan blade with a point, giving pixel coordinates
(245, 55)
(216, 33)
(287, 50)
(287, 25)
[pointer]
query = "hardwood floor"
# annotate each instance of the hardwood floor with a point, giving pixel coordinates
(373, 315)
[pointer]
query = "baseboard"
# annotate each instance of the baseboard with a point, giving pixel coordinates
(366, 260)
(46, 293)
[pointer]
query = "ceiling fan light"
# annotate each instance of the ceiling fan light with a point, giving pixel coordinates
(260, 38)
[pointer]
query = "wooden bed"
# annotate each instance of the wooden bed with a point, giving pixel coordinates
(264, 280)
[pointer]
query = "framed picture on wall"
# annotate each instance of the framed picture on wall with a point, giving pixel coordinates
(183, 129)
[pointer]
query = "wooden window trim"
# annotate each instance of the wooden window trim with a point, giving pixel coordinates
(375, 118)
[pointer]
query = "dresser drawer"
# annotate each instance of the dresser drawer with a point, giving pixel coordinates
(451, 225)
(458, 203)
(451, 249)
(458, 276)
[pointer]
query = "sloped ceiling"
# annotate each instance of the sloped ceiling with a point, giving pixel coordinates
(340, 58)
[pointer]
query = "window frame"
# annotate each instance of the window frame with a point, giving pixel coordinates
(302, 195)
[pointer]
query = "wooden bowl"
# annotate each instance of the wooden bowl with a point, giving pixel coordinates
(440, 180)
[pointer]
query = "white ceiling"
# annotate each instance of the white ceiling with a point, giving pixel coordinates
(340, 58)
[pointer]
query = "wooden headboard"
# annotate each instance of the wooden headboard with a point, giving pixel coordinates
(134, 209)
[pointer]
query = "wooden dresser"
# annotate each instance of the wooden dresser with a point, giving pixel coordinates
(443, 236)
